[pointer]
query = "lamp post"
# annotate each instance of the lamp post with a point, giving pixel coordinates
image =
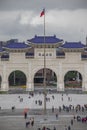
(44, 68)
(43, 14)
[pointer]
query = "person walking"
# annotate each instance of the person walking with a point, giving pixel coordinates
(71, 121)
(25, 115)
(56, 116)
(44, 128)
(65, 128)
(52, 109)
(27, 123)
(69, 128)
(54, 128)
(32, 121)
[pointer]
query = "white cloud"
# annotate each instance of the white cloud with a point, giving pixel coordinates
(25, 17)
(69, 24)
(30, 18)
(37, 20)
(64, 18)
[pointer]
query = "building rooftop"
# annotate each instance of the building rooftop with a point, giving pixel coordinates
(73, 45)
(48, 39)
(16, 45)
(1, 48)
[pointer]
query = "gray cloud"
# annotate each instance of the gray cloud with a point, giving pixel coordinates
(37, 4)
(65, 18)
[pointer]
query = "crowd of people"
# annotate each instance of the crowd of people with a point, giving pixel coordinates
(56, 111)
(70, 108)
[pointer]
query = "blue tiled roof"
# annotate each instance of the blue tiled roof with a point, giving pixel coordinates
(73, 45)
(16, 45)
(1, 48)
(48, 39)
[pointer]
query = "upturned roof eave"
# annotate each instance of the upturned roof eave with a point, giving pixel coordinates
(2, 52)
(35, 43)
(7, 48)
(72, 49)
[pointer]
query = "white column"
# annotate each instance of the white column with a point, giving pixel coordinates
(30, 84)
(84, 83)
(60, 82)
(4, 85)
(84, 78)
(84, 88)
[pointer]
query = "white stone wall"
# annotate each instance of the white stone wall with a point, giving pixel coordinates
(29, 67)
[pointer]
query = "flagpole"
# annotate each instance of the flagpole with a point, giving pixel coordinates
(44, 68)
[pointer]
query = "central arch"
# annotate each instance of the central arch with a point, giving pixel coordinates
(51, 79)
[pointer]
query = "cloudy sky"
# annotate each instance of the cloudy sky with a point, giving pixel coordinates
(67, 19)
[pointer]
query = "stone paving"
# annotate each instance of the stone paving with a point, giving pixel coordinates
(14, 120)
(9, 100)
(18, 123)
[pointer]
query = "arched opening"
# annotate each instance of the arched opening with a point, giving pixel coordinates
(51, 79)
(17, 79)
(73, 80)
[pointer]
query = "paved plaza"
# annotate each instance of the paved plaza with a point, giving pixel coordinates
(14, 119)
(29, 101)
(18, 123)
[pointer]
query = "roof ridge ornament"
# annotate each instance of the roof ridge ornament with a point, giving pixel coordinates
(35, 35)
(54, 36)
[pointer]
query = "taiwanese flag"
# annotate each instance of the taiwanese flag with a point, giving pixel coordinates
(42, 13)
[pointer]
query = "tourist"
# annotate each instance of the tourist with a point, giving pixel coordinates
(71, 121)
(52, 109)
(69, 128)
(54, 128)
(27, 123)
(65, 128)
(25, 115)
(13, 108)
(39, 128)
(44, 128)
(53, 97)
(32, 121)
(56, 116)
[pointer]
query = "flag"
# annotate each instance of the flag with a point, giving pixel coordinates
(42, 13)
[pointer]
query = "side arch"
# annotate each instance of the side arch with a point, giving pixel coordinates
(73, 79)
(17, 78)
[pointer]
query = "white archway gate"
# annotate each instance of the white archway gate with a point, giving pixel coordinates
(60, 66)
(60, 70)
